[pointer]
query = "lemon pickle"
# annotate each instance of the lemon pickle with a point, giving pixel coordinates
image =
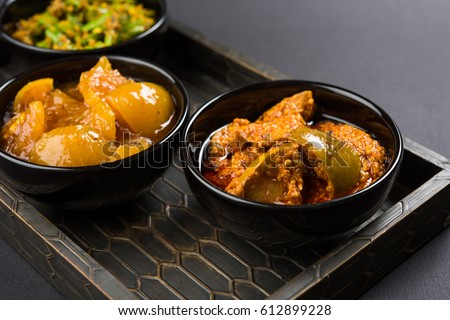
(104, 117)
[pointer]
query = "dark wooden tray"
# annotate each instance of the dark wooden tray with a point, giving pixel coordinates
(165, 245)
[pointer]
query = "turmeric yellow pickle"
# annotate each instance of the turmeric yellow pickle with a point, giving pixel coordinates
(103, 117)
(285, 158)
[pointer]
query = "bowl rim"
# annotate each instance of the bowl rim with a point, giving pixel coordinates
(176, 129)
(392, 168)
(159, 23)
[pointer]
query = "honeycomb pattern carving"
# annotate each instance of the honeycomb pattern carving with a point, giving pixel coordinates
(162, 248)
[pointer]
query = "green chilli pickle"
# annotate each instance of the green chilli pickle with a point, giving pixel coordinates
(84, 24)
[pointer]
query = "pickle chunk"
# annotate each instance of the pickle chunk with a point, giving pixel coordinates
(37, 90)
(332, 160)
(70, 146)
(130, 148)
(100, 79)
(274, 177)
(144, 108)
(94, 85)
(21, 132)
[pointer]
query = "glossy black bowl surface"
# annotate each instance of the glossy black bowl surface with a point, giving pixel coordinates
(298, 225)
(91, 187)
(13, 10)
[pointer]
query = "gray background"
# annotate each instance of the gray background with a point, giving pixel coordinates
(394, 52)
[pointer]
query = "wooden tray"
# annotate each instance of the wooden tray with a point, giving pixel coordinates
(165, 245)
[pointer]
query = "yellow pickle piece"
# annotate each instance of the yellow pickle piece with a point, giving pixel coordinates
(37, 90)
(70, 146)
(143, 107)
(21, 132)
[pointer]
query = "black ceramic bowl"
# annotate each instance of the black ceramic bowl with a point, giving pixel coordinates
(296, 225)
(91, 187)
(13, 10)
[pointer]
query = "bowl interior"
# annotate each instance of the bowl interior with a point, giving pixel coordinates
(69, 69)
(251, 101)
(14, 10)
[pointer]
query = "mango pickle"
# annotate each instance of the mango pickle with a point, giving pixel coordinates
(332, 160)
(264, 180)
(294, 160)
